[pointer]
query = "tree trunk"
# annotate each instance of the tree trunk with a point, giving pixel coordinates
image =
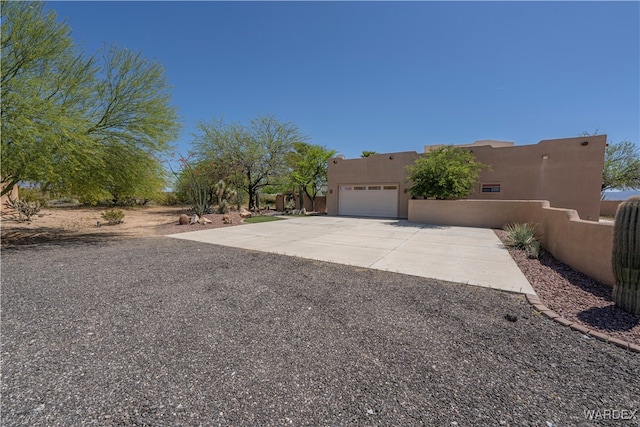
(301, 198)
(251, 192)
(8, 187)
(313, 200)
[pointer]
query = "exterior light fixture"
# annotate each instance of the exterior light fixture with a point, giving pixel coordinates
(585, 143)
(390, 157)
(545, 157)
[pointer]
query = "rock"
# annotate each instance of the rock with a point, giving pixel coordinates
(205, 221)
(226, 219)
(511, 317)
(183, 220)
(194, 219)
(245, 213)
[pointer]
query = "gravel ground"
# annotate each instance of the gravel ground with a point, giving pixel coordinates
(575, 296)
(161, 331)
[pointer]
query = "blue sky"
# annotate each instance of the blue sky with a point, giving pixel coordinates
(388, 76)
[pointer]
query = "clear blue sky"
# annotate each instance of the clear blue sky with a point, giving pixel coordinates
(388, 76)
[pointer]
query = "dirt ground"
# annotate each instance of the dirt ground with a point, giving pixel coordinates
(77, 223)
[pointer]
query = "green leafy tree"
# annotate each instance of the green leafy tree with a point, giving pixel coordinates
(90, 126)
(444, 173)
(366, 153)
(256, 152)
(621, 167)
(308, 165)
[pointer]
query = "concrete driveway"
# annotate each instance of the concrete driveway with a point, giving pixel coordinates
(458, 254)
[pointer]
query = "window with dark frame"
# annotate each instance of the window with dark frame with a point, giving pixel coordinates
(490, 188)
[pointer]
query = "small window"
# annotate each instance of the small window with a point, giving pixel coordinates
(490, 188)
(390, 187)
(374, 187)
(346, 188)
(360, 187)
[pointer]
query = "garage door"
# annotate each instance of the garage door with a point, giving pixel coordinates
(368, 200)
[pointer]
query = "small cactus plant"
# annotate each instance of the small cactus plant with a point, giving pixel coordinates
(626, 256)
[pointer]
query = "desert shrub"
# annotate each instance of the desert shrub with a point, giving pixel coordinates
(523, 237)
(534, 250)
(289, 202)
(63, 201)
(268, 199)
(113, 216)
(445, 173)
(33, 195)
(168, 198)
(24, 208)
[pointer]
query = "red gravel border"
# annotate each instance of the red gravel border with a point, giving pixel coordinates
(575, 300)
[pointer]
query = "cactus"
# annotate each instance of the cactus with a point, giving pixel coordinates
(626, 256)
(225, 195)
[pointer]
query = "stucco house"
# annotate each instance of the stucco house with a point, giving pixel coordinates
(5, 198)
(567, 172)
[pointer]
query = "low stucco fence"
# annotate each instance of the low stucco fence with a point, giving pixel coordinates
(320, 203)
(609, 207)
(584, 245)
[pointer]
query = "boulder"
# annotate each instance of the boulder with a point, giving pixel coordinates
(194, 219)
(202, 220)
(226, 219)
(183, 220)
(245, 213)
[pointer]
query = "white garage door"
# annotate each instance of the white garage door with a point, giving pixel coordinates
(368, 200)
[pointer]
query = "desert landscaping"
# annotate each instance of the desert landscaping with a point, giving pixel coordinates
(60, 224)
(571, 294)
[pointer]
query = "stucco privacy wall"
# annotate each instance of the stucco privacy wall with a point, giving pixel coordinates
(584, 245)
(375, 169)
(567, 172)
(609, 207)
(320, 203)
(4, 199)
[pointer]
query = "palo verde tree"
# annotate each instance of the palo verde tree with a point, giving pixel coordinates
(444, 173)
(256, 151)
(621, 167)
(308, 163)
(91, 126)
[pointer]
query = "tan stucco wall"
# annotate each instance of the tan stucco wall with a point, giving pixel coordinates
(375, 169)
(320, 204)
(609, 207)
(584, 245)
(570, 176)
(3, 199)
